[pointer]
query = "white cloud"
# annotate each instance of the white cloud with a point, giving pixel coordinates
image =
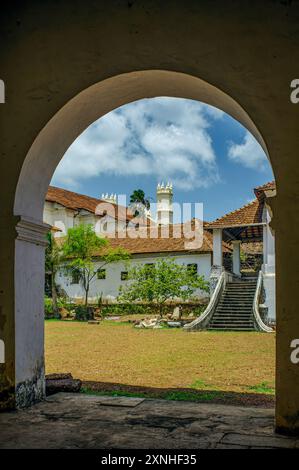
(249, 153)
(167, 138)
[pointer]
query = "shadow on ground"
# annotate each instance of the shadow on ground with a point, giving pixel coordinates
(180, 394)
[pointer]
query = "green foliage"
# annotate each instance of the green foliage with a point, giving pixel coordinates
(139, 203)
(145, 309)
(79, 249)
(48, 307)
(82, 243)
(53, 259)
(138, 196)
(263, 387)
(83, 313)
(197, 311)
(161, 281)
(243, 256)
(126, 309)
(176, 395)
(51, 310)
(115, 254)
(54, 254)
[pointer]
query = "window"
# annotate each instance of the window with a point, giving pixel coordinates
(75, 276)
(105, 226)
(101, 273)
(124, 275)
(192, 267)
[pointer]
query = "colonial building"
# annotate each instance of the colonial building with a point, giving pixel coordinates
(239, 244)
(247, 227)
(65, 209)
(147, 248)
(144, 238)
(243, 299)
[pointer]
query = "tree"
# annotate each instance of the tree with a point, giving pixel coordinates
(162, 281)
(139, 202)
(79, 249)
(53, 260)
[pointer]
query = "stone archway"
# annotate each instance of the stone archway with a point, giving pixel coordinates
(89, 105)
(80, 64)
(37, 170)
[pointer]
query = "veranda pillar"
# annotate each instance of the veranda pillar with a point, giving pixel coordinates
(236, 257)
(217, 247)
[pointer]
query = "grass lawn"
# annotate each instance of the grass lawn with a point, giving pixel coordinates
(115, 352)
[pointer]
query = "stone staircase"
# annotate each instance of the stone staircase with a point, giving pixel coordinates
(234, 309)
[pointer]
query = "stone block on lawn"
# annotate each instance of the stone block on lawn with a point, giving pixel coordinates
(56, 383)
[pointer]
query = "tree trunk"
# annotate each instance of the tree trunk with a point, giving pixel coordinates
(160, 310)
(86, 296)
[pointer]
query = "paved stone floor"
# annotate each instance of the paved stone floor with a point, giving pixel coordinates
(82, 421)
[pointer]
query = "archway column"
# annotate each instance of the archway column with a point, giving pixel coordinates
(286, 215)
(22, 330)
(7, 303)
(29, 310)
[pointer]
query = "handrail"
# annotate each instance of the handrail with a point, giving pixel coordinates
(201, 322)
(261, 325)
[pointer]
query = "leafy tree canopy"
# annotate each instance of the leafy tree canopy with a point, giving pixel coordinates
(82, 242)
(80, 247)
(162, 281)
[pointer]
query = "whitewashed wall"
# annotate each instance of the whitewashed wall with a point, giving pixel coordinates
(63, 218)
(109, 287)
(59, 216)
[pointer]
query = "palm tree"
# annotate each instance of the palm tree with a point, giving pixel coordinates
(139, 202)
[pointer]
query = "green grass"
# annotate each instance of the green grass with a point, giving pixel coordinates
(262, 387)
(201, 385)
(175, 395)
(117, 353)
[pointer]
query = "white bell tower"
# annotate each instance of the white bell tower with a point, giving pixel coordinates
(164, 204)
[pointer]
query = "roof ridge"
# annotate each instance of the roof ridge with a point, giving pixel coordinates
(263, 185)
(87, 197)
(74, 192)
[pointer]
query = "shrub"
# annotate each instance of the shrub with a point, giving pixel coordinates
(48, 307)
(162, 281)
(150, 308)
(83, 313)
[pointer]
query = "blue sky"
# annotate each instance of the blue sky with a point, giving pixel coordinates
(207, 155)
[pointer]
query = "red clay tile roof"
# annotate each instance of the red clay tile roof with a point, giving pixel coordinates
(162, 244)
(269, 185)
(159, 244)
(249, 214)
(76, 202)
(252, 248)
(259, 190)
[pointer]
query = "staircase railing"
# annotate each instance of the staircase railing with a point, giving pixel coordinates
(201, 322)
(256, 313)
